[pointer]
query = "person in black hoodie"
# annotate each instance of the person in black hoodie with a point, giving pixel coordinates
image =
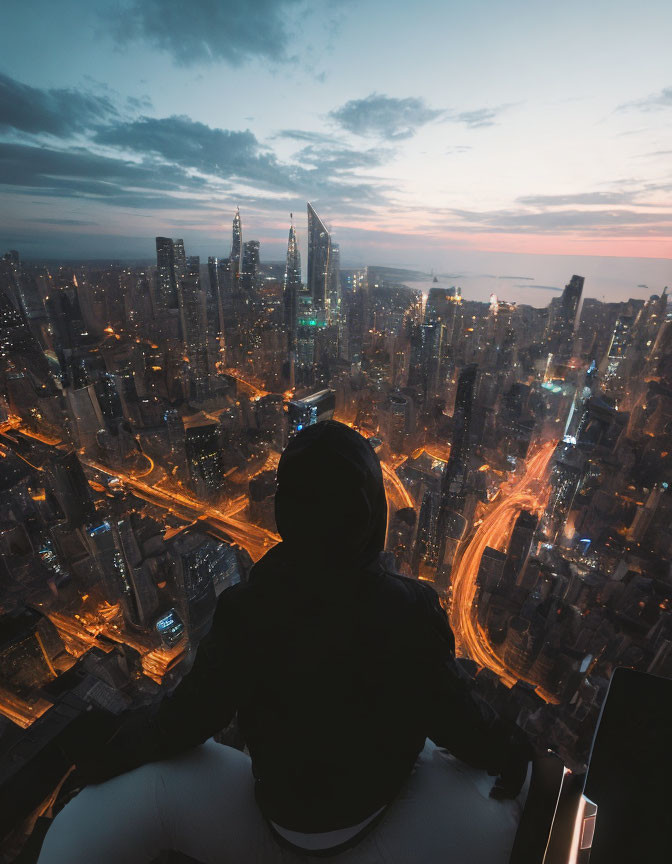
(341, 675)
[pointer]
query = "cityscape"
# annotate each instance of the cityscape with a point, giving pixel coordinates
(526, 452)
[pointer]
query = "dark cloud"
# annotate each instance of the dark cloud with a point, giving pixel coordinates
(77, 173)
(384, 116)
(205, 31)
(342, 158)
(396, 119)
(317, 171)
(59, 112)
(302, 135)
(190, 144)
(653, 102)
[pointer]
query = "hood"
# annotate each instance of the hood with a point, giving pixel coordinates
(330, 503)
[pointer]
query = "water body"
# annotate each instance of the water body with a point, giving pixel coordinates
(536, 279)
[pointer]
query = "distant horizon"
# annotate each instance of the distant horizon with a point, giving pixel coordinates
(524, 278)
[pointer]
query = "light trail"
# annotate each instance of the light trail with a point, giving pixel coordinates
(257, 541)
(149, 470)
(247, 381)
(395, 489)
(495, 531)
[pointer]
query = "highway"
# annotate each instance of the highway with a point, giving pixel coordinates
(397, 496)
(255, 386)
(256, 540)
(530, 492)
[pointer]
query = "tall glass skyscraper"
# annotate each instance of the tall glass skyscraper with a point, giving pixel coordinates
(250, 265)
(319, 255)
(236, 244)
(170, 263)
(562, 319)
(292, 287)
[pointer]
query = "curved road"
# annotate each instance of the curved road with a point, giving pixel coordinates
(527, 493)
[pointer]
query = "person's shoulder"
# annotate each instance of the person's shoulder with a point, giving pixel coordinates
(418, 593)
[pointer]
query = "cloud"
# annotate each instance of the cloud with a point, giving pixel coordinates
(317, 171)
(653, 102)
(540, 287)
(342, 158)
(477, 119)
(206, 31)
(384, 116)
(57, 111)
(180, 140)
(178, 163)
(302, 135)
(613, 222)
(47, 221)
(604, 198)
(78, 173)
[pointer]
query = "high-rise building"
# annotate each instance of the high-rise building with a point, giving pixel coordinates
(170, 261)
(614, 363)
(319, 258)
(310, 410)
(222, 281)
(18, 347)
(334, 280)
(444, 305)
(464, 400)
(427, 540)
(562, 319)
(452, 525)
(69, 485)
(236, 245)
(250, 265)
(85, 413)
(291, 289)
(519, 547)
(194, 320)
(204, 457)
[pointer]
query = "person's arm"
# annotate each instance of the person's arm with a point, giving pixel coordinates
(463, 722)
(203, 703)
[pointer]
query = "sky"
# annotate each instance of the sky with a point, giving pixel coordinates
(452, 137)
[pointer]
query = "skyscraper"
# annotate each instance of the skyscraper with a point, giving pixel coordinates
(291, 290)
(452, 525)
(319, 254)
(170, 262)
(204, 457)
(194, 319)
(464, 400)
(236, 244)
(519, 547)
(334, 280)
(250, 265)
(562, 319)
(18, 347)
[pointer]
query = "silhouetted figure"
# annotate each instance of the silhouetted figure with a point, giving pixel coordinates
(339, 673)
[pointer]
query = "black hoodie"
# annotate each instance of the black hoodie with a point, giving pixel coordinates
(337, 669)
